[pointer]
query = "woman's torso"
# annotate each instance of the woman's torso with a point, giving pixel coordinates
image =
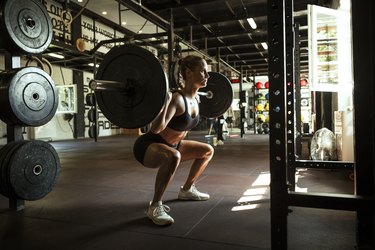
(186, 118)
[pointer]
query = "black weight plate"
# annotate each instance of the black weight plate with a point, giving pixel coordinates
(29, 97)
(222, 98)
(5, 157)
(3, 169)
(25, 26)
(33, 170)
(6, 113)
(92, 130)
(90, 99)
(91, 115)
(136, 108)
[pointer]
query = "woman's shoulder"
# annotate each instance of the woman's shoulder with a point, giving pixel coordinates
(177, 97)
(177, 94)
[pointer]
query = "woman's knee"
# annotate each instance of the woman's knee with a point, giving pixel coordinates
(209, 152)
(156, 157)
(173, 157)
(171, 160)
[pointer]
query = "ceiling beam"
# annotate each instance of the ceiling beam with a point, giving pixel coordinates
(157, 6)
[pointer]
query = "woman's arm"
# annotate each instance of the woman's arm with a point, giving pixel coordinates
(169, 110)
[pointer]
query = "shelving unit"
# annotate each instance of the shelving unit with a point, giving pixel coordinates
(323, 49)
(261, 110)
(327, 71)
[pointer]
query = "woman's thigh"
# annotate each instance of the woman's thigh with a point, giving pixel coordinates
(158, 154)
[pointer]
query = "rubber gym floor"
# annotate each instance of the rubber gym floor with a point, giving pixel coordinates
(102, 194)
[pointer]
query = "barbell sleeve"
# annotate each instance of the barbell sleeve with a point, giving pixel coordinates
(208, 94)
(104, 85)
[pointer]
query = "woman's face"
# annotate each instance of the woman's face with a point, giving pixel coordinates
(198, 76)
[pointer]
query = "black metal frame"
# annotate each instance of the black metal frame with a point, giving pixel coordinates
(364, 94)
(363, 201)
(14, 132)
(278, 157)
(290, 95)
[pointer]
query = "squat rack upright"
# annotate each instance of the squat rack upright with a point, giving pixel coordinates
(280, 30)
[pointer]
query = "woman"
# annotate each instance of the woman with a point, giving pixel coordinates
(164, 146)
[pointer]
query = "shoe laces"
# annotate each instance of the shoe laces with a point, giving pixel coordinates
(194, 190)
(160, 210)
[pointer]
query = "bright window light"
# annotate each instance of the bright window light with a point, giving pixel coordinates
(262, 180)
(255, 191)
(252, 23)
(250, 198)
(254, 194)
(244, 207)
(265, 46)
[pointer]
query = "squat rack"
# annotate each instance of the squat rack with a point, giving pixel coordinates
(282, 161)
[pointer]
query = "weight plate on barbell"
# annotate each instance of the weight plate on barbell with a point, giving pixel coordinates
(25, 26)
(33, 170)
(222, 96)
(143, 101)
(28, 97)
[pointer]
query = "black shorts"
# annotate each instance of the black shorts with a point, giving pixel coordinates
(142, 143)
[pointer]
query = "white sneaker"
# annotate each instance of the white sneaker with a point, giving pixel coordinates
(158, 214)
(220, 142)
(192, 194)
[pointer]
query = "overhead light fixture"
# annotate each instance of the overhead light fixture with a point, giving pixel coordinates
(264, 45)
(80, 1)
(92, 65)
(104, 12)
(123, 23)
(59, 56)
(252, 23)
(140, 31)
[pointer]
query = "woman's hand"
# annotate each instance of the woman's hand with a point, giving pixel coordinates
(169, 109)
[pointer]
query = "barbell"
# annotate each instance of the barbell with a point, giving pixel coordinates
(103, 85)
(131, 87)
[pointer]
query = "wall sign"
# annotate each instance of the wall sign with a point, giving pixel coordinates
(94, 32)
(60, 19)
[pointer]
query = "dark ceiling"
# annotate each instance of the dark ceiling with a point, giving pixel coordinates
(210, 26)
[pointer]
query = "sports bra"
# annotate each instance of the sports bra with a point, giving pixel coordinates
(183, 122)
